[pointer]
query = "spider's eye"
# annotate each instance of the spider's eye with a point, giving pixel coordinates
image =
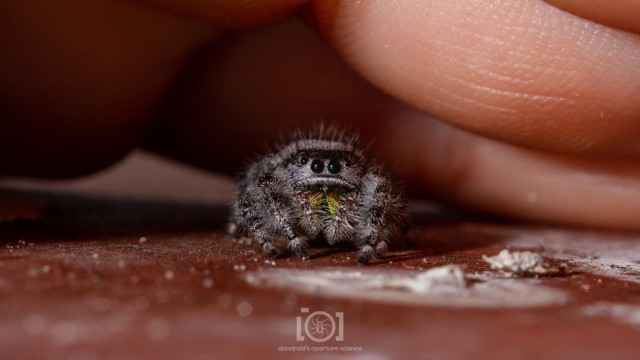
(334, 167)
(317, 166)
(304, 160)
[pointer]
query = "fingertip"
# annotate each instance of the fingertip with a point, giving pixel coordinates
(519, 71)
(484, 175)
(620, 14)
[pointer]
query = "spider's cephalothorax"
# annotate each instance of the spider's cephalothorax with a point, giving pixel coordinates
(319, 186)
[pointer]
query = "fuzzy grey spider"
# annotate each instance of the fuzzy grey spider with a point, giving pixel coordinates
(319, 186)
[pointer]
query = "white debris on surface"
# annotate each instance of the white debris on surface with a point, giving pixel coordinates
(623, 313)
(441, 279)
(519, 263)
(615, 256)
(446, 286)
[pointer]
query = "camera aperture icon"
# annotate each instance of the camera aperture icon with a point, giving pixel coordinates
(320, 326)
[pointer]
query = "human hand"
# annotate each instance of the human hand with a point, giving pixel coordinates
(548, 100)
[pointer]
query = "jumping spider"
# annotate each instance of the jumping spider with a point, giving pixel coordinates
(319, 186)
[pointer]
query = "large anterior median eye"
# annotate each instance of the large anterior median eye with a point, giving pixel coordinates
(317, 166)
(334, 167)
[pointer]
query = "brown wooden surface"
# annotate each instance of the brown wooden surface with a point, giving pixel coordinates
(94, 273)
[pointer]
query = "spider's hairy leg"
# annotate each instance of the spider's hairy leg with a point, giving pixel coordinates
(304, 211)
(278, 215)
(299, 246)
(233, 227)
(383, 214)
(306, 203)
(339, 225)
(255, 224)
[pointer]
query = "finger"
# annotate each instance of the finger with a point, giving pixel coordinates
(227, 109)
(251, 88)
(521, 71)
(503, 179)
(79, 79)
(621, 14)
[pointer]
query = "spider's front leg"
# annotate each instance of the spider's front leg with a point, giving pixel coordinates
(265, 209)
(383, 216)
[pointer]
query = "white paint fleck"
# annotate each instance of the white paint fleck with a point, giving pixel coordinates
(518, 262)
(449, 278)
(617, 255)
(441, 286)
(143, 239)
(624, 313)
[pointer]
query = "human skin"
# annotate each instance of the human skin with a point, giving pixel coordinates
(516, 107)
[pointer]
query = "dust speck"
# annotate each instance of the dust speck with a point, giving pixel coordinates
(168, 274)
(207, 282)
(239, 267)
(244, 309)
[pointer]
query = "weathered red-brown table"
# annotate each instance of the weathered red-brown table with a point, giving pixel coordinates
(89, 273)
